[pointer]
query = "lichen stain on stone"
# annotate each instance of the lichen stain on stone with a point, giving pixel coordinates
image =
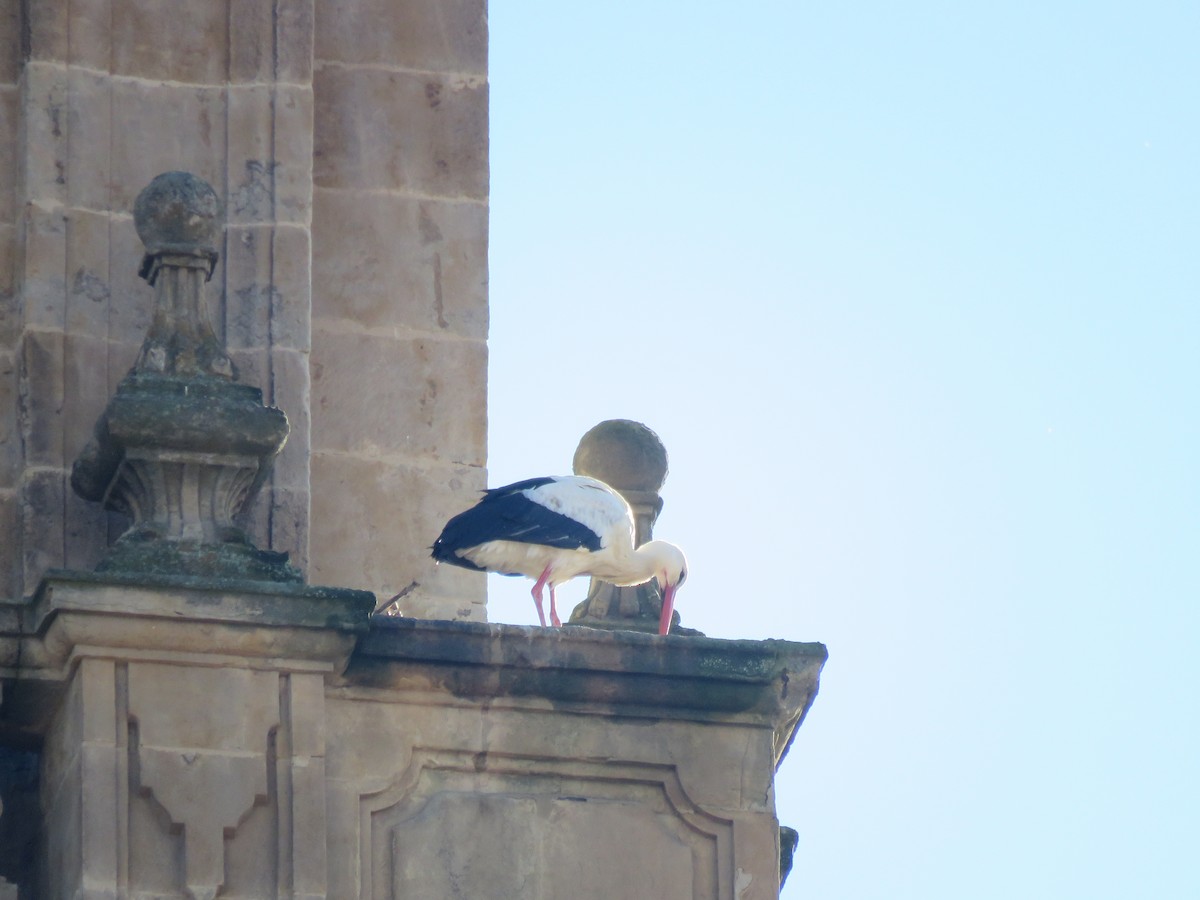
(430, 233)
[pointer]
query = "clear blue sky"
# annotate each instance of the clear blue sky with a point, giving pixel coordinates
(913, 293)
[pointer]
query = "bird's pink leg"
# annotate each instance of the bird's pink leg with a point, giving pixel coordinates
(554, 619)
(537, 595)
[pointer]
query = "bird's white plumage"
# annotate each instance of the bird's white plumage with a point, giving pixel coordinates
(592, 504)
(558, 528)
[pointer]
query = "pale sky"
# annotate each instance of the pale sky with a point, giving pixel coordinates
(913, 293)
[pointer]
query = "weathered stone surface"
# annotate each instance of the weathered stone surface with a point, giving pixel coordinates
(10, 544)
(293, 161)
(43, 154)
(10, 437)
(90, 37)
(87, 256)
(43, 501)
(251, 165)
(422, 133)
(85, 386)
(10, 44)
(248, 288)
(87, 126)
(9, 124)
(431, 35)
(391, 261)
(46, 26)
(373, 522)
(251, 38)
(194, 49)
(294, 40)
(43, 268)
(195, 142)
(373, 394)
(290, 296)
(10, 313)
(44, 390)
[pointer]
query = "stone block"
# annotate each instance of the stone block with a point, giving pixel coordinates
(248, 287)
(288, 524)
(251, 166)
(10, 435)
(163, 128)
(372, 525)
(431, 35)
(10, 545)
(255, 519)
(291, 299)
(391, 261)
(10, 102)
(194, 49)
(293, 108)
(44, 107)
(131, 303)
(373, 395)
(43, 267)
(89, 137)
(10, 42)
(43, 391)
(422, 133)
(46, 29)
(121, 357)
(43, 500)
(85, 390)
(86, 539)
(88, 291)
(289, 380)
(10, 312)
(294, 41)
(90, 38)
(251, 41)
(253, 367)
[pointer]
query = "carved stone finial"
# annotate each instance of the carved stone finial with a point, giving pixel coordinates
(182, 447)
(178, 218)
(630, 457)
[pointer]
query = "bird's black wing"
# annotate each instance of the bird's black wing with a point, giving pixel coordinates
(507, 514)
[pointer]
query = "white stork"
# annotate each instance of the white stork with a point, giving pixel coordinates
(553, 529)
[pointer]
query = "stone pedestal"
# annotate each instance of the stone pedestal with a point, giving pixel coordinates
(183, 736)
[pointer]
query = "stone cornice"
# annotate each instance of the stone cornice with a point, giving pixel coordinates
(768, 683)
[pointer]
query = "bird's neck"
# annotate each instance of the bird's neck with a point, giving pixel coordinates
(637, 567)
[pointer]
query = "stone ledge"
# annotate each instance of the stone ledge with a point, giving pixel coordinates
(199, 598)
(772, 683)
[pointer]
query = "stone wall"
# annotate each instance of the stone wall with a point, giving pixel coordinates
(348, 143)
(399, 360)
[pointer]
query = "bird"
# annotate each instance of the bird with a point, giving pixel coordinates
(556, 528)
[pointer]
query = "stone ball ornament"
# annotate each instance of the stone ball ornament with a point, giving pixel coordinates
(178, 213)
(626, 454)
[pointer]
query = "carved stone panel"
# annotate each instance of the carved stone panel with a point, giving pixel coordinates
(201, 758)
(479, 825)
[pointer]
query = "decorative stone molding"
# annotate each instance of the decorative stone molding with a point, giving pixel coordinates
(207, 772)
(182, 447)
(549, 817)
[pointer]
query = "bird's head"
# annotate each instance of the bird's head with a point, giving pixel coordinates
(670, 570)
(670, 565)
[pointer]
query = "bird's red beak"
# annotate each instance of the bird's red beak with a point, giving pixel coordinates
(664, 621)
